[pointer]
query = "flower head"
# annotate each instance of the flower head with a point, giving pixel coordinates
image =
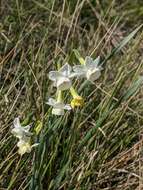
(58, 106)
(20, 131)
(90, 69)
(24, 136)
(25, 146)
(77, 100)
(62, 78)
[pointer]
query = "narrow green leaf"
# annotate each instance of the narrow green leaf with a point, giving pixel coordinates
(78, 56)
(92, 131)
(38, 127)
(122, 44)
(133, 89)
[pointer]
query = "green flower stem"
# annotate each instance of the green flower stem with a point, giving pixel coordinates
(73, 92)
(59, 96)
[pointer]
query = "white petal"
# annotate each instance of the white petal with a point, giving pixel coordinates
(20, 143)
(97, 61)
(59, 105)
(34, 145)
(54, 75)
(63, 83)
(51, 102)
(65, 70)
(57, 111)
(93, 75)
(89, 62)
(92, 64)
(16, 123)
(27, 134)
(17, 132)
(27, 128)
(67, 107)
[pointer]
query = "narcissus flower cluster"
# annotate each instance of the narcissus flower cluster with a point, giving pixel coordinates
(63, 78)
(63, 81)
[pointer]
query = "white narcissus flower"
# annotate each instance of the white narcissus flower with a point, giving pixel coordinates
(90, 69)
(20, 131)
(58, 107)
(25, 146)
(62, 78)
(24, 136)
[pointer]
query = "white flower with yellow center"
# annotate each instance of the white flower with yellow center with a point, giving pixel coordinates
(25, 146)
(24, 136)
(58, 105)
(89, 69)
(62, 78)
